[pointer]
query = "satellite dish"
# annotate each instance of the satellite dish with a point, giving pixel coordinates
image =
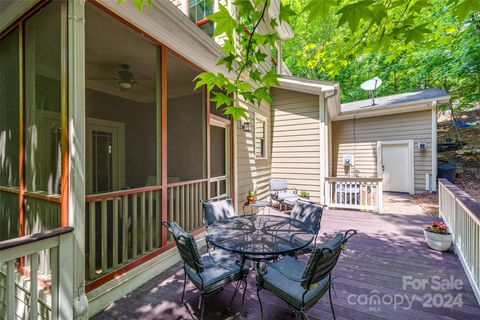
(372, 85)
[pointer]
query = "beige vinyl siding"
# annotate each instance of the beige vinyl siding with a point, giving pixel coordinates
(415, 126)
(296, 140)
(252, 172)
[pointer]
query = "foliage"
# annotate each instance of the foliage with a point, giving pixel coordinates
(438, 228)
(436, 50)
(333, 35)
(304, 194)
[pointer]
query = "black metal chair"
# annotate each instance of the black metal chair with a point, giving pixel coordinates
(308, 213)
(303, 285)
(279, 191)
(214, 211)
(206, 272)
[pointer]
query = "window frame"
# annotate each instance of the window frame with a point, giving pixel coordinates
(261, 118)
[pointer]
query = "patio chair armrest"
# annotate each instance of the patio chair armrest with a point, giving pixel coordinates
(273, 266)
(293, 189)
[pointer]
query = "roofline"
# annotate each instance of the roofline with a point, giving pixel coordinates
(409, 106)
(310, 86)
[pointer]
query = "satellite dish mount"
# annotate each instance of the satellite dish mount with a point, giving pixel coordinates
(370, 86)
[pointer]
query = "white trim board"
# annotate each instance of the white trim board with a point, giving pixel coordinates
(411, 163)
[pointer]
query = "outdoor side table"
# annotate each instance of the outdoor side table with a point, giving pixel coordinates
(256, 204)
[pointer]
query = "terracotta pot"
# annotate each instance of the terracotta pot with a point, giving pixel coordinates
(251, 199)
(439, 242)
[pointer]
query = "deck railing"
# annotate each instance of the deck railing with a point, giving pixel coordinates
(462, 215)
(121, 226)
(354, 193)
(125, 225)
(22, 297)
(184, 204)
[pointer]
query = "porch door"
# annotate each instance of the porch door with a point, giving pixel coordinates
(395, 166)
(104, 169)
(219, 157)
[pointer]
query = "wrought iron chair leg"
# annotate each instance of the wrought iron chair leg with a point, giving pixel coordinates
(202, 305)
(304, 315)
(244, 291)
(184, 286)
(260, 301)
(234, 294)
(331, 303)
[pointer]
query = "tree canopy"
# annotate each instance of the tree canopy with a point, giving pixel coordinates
(438, 47)
(410, 44)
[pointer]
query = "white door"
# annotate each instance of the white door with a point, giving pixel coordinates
(395, 165)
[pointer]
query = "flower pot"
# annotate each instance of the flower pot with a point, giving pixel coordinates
(250, 199)
(439, 242)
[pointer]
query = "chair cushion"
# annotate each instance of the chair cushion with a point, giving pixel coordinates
(278, 185)
(287, 195)
(289, 290)
(217, 211)
(308, 213)
(219, 270)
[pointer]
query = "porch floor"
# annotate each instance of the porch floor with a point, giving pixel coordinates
(387, 249)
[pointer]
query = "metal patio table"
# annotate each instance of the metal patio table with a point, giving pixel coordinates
(259, 237)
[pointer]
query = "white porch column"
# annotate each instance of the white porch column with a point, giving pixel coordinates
(324, 144)
(76, 118)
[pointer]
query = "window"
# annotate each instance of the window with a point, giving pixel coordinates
(260, 137)
(198, 11)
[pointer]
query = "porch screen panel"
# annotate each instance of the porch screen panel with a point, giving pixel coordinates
(43, 100)
(9, 134)
(186, 122)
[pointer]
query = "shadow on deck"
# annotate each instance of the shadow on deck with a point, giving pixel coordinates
(379, 262)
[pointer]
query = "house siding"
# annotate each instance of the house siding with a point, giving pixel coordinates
(415, 126)
(296, 140)
(251, 172)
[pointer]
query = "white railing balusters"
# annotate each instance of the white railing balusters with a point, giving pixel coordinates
(354, 193)
(59, 244)
(461, 213)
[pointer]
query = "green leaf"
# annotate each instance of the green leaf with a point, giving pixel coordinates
(244, 7)
(354, 12)
(416, 34)
(237, 112)
(262, 93)
(270, 78)
(318, 8)
(221, 99)
(255, 75)
(224, 22)
(379, 13)
(464, 8)
(227, 60)
(286, 12)
(260, 56)
(210, 80)
(273, 23)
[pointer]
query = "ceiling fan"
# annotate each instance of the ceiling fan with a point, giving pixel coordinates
(126, 79)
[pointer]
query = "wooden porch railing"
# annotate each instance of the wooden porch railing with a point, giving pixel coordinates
(121, 226)
(25, 299)
(462, 215)
(184, 204)
(354, 193)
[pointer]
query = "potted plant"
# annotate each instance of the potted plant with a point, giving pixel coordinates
(437, 236)
(251, 196)
(304, 194)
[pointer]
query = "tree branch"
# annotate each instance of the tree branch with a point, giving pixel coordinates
(250, 39)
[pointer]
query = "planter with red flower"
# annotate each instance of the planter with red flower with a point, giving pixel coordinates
(437, 236)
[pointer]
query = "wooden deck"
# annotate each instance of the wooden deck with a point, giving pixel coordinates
(388, 251)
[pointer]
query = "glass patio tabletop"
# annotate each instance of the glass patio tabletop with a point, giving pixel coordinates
(260, 235)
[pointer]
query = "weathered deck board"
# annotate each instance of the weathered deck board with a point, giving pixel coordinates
(387, 248)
